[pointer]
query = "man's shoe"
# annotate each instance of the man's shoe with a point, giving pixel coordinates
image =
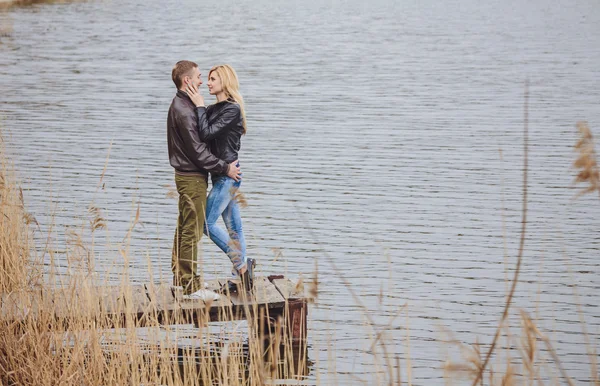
(179, 288)
(203, 294)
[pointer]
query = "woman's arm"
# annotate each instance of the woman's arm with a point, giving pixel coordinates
(222, 120)
(229, 115)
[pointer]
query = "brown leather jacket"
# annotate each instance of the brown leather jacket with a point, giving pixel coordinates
(187, 153)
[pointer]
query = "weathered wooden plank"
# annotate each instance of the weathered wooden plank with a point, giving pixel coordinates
(149, 303)
(263, 294)
(72, 303)
(124, 304)
(64, 302)
(139, 302)
(60, 303)
(213, 285)
(112, 299)
(295, 311)
(224, 309)
(162, 296)
(195, 310)
(224, 301)
(289, 289)
(17, 306)
(164, 305)
(124, 299)
(88, 300)
(266, 293)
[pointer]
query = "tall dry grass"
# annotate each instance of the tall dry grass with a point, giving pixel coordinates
(16, 266)
(586, 161)
(534, 349)
(86, 333)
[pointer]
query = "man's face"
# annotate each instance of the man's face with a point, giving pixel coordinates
(193, 79)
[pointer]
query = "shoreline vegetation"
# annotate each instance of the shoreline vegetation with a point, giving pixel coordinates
(85, 347)
(70, 340)
(13, 3)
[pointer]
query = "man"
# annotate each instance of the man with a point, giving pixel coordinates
(192, 161)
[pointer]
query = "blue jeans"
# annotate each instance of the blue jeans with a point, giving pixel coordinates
(221, 202)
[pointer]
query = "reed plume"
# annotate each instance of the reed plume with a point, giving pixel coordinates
(586, 161)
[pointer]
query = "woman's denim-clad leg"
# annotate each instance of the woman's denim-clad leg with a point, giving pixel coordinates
(220, 202)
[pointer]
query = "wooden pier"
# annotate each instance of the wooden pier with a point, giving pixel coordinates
(274, 301)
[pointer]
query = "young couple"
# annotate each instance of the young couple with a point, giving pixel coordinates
(202, 140)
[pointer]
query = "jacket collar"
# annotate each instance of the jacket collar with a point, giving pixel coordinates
(182, 94)
(228, 100)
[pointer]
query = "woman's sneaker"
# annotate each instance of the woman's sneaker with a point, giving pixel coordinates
(203, 294)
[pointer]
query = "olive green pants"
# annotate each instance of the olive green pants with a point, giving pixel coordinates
(190, 226)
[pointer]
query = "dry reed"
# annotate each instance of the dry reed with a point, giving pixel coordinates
(473, 366)
(586, 161)
(88, 333)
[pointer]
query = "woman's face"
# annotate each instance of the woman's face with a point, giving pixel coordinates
(214, 83)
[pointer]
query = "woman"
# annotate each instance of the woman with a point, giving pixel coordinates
(222, 125)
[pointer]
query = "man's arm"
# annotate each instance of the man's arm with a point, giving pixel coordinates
(195, 149)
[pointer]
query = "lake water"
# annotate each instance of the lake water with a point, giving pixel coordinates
(384, 137)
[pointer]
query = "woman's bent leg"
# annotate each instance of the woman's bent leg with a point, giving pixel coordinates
(233, 221)
(218, 200)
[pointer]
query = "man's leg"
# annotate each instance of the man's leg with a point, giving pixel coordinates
(192, 202)
(175, 254)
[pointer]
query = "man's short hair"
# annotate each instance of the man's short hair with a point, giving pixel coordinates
(181, 69)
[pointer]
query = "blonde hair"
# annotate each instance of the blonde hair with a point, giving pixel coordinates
(231, 86)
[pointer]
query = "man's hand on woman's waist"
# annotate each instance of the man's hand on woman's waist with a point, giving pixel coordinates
(234, 171)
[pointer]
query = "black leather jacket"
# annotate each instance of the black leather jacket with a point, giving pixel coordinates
(221, 125)
(187, 152)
